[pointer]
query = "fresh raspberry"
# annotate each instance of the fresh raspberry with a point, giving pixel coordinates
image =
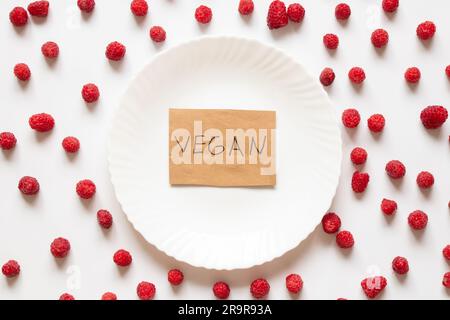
(342, 11)
(357, 75)
(351, 118)
(433, 117)
(203, 14)
(90, 93)
(38, 8)
(115, 51)
(373, 286)
(22, 72)
(327, 77)
(376, 123)
(109, 296)
(60, 247)
(41, 122)
(294, 283)
(395, 169)
(221, 290)
(344, 239)
(71, 144)
(28, 185)
(66, 296)
(104, 218)
(425, 180)
(400, 265)
(388, 207)
(139, 8)
(122, 258)
(446, 280)
(85, 189)
(277, 15)
(379, 38)
(360, 180)
(426, 30)
(296, 12)
(418, 220)
(446, 252)
(86, 5)
(11, 269)
(331, 222)
(157, 34)
(146, 290)
(390, 5)
(331, 41)
(412, 75)
(18, 16)
(50, 50)
(175, 277)
(246, 7)
(358, 156)
(7, 140)
(447, 71)
(259, 288)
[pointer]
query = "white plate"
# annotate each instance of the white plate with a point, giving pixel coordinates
(225, 228)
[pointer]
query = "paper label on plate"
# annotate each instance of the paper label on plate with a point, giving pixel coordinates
(226, 148)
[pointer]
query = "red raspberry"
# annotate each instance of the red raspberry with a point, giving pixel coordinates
(11, 269)
(28, 185)
(7, 140)
(157, 34)
(104, 218)
(379, 38)
(90, 93)
(296, 12)
(446, 252)
(351, 118)
(425, 180)
(426, 30)
(18, 17)
(447, 71)
(221, 290)
(418, 220)
(294, 283)
(22, 72)
(50, 50)
(390, 5)
(358, 156)
(342, 11)
(115, 51)
(400, 265)
(433, 117)
(376, 123)
(122, 258)
(71, 144)
(360, 180)
(344, 240)
(86, 5)
(412, 75)
(446, 280)
(327, 77)
(373, 286)
(109, 296)
(175, 277)
(331, 41)
(277, 15)
(38, 8)
(60, 247)
(41, 122)
(395, 169)
(139, 8)
(85, 189)
(246, 7)
(203, 14)
(66, 296)
(388, 207)
(331, 222)
(259, 288)
(146, 290)
(357, 75)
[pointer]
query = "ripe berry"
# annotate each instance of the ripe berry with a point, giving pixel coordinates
(277, 15)
(18, 17)
(351, 118)
(7, 140)
(357, 75)
(344, 240)
(446, 252)
(85, 189)
(41, 122)
(360, 180)
(412, 75)
(122, 258)
(146, 290)
(433, 117)
(259, 288)
(50, 50)
(157, 34)
(342, 11)
(331, 222)
(246, 7)
(203, 14)
(425, 180)
(418, 220)
(22, 72)
(11, 269)
(358, 156)
(115, 51)
(109, 296)
(38, 8)
(390, 5)
(71, 144)
(446, 280)
(221, 290)
(388, 207)
(373, 286)
(447, 71)
(376, 123)
(104, 218)
(139, 7)
(379, 38)
(400, 265)
(327, 77)
(175, 277)
(294, 283)
(395, 169)
(426, 30)
(331, 41)
(60, 247)
(86, 5)
(296, 12)
(66, 296)
(90, 93)
(28, 185)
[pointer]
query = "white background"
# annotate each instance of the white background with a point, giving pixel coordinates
(27, 227)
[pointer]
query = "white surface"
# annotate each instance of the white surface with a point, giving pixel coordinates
(27, 228)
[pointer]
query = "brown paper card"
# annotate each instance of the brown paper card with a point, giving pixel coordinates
(226, 148)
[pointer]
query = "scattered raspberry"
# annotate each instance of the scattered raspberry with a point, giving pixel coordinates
(50, 50)
(379, 38)
(426, 30)
(86, 5)
(388, 207)
(357, 75)
(85, 189)
(447, 71)
(259, 288)
(175, 277)
(360, 180)
(400, 265)
(344, 240)
(327, 77)
(221, 290)
(342, 11)
(331, 41)
(71, 144)
(203, 14)
(446, 280)
(296, 12)
(351, 118)
(122, 258)
(412, 75)
(418, 220)
(395, 169)
(331, 222)
(60, 247)
(277, 15)
(390, 5)
(90, 93)
(446, 252)
(66, 296)
(146, 290)
(7, 140)
(157, 34)
(109, 296)
(11, 269)
(41, 122)
(104, 218)
(18, 17)
(28, 185)
(139, 8)
(376, 123)
(38, 8)
(433, 117)
(294, 283)
(246, 7)
(358, 156)
(425, 180)
(22, 72)
(115, 51)
(373, 286)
